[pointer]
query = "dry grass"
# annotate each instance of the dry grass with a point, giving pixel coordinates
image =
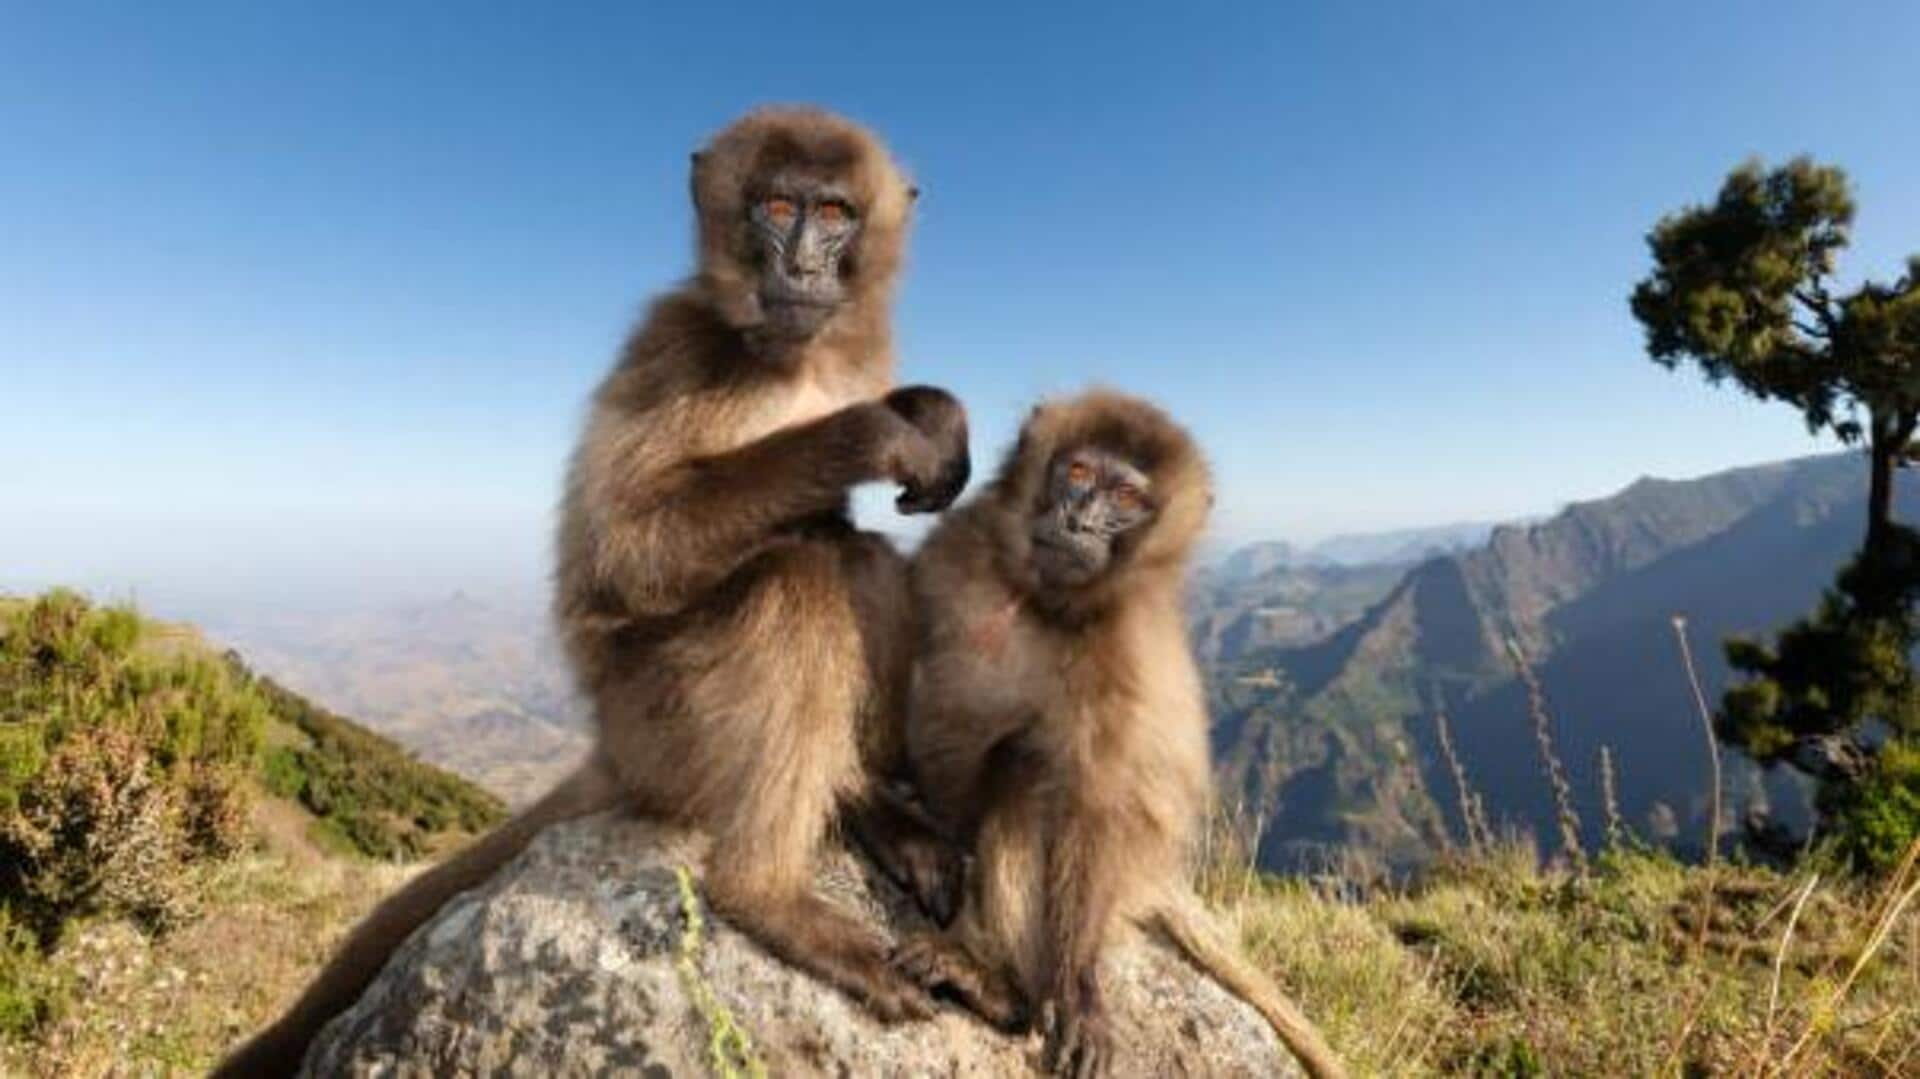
(1488, 966)
(170, 1006)
(1493, 966)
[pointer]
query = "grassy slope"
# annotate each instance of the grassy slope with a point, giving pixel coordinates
(266, 918)
(172, 1004)
(1490, 968)
(1493, 967)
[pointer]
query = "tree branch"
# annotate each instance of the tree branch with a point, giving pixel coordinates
(1816, 299)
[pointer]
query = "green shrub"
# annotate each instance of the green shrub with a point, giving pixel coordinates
(283, 774)
(96, 832)
(1877, 818)
(371, 795)
(121, 766)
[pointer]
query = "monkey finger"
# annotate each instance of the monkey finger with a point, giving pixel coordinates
(1090, 1061)
(914, 500)
(898, 999)
(937, 495)
(918, 958)
(1053, 1038)
(943, 897)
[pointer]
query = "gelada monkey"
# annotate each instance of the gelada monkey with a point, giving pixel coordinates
(1057, 721)
(744, 648)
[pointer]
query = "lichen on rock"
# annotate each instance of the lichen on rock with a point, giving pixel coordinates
(580, 958)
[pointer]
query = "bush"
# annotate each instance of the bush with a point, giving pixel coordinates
(95, 833)
(121, 766)
(1876, 819)
(215, 811)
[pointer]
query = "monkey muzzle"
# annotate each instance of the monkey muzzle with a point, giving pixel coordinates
(1064, 557)
(793, 319)
(801, 287)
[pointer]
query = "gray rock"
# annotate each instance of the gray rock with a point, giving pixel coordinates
(573, 960)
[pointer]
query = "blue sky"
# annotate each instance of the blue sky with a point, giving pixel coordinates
(314, 293)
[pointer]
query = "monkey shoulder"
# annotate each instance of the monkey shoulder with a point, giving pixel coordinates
(940, 568)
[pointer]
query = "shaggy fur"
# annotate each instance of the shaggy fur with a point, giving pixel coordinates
(743, 647)
(1064, 731)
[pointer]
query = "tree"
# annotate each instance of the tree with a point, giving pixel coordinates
(1742, 289)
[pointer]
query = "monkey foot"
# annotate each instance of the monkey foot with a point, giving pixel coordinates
(938, 964)
(1078, 1042)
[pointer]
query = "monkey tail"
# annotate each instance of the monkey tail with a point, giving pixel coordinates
(279, 1049)
(1192, 931)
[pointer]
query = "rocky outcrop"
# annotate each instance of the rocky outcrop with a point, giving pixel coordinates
(593, 954)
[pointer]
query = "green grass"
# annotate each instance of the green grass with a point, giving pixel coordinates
(1642, 966)
(155, 793)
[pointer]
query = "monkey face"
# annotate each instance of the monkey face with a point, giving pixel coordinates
(1092, 503)
(802, 231)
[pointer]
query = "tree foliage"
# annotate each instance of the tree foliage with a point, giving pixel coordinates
(1742, 289)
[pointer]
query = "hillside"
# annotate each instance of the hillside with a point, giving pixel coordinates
(1247, 608)
(179, 838)
(1489, 965)
(1333, 742)
(473, 685)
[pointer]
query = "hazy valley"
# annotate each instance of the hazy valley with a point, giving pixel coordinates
(472, 684)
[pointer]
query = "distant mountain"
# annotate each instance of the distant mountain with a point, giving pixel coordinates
(1332, 742)
(1399, 546)
(477, 686)
(1275, 594)
(1258, 559)
(1283, 605)
(1402, 545)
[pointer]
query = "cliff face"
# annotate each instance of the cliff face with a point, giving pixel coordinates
(589, 955)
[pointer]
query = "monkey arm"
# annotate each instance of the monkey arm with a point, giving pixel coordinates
(667, 537)
(1085, 870)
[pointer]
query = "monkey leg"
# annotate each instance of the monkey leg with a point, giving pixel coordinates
(745, 725)
(900, 838)
(910, 850)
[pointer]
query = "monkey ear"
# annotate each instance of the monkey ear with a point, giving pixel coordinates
(699, 159)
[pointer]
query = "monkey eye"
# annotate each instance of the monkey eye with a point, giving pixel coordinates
(1079, 472)
(1127, 497)
(833, 213)
(779, 209)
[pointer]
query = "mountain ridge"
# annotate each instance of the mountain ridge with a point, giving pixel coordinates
(1574, 592)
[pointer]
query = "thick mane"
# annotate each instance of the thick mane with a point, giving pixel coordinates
(1182, 486)
(727, 173)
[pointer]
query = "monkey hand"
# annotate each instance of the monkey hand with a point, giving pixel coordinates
(940, 417)
(1077, 1035)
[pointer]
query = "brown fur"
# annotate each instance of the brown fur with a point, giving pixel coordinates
(1065, 732)
(743, 646)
